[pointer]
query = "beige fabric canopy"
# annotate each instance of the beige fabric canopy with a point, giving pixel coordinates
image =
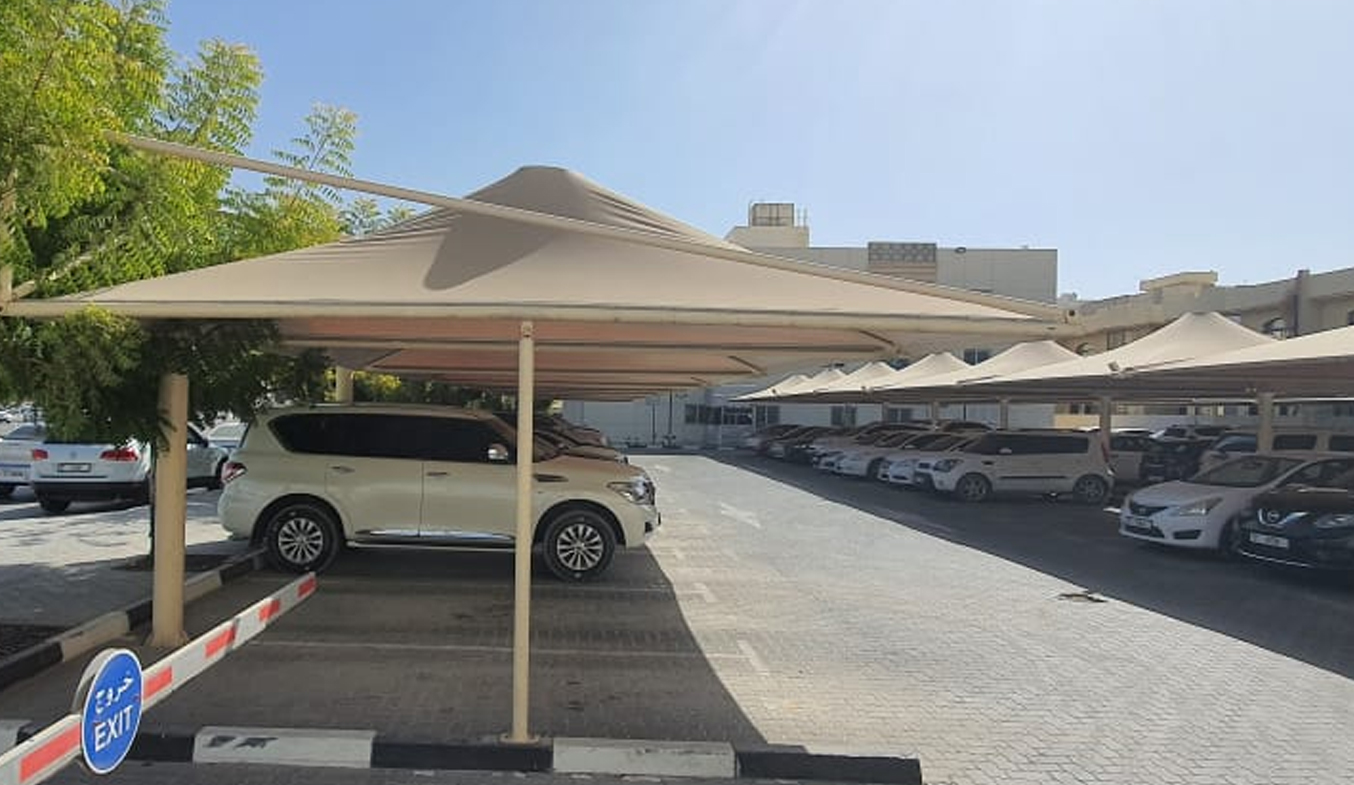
(1192, 336)
(946, 386)
(1316, 365)
(928, 366)
(859, 379)
(625, 300)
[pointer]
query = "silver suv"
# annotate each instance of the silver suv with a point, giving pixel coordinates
(306, 481)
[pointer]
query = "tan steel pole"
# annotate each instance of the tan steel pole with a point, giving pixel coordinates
(171, 504)
(1106, 423)
(1264, 436)
(1004, 413)
(521, 619)
(935, 413)
(343, 384)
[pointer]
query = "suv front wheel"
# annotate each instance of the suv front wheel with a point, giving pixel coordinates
(1090, 489)
(973, 488)
(302, 537)
(579, 544)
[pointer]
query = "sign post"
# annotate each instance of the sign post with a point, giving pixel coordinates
(108, 701)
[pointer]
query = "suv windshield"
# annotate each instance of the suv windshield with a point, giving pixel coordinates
(1250, 472)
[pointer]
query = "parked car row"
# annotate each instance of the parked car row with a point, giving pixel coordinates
(1292, 503)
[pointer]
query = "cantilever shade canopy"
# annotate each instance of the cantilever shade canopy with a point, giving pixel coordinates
(1316, 365)
(626, 301)
(930, 365)
(1118, 373)
(947, 386)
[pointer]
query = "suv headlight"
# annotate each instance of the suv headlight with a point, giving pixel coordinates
(1337, 521)
(945, 465)
(1201, 507)
(637, 490)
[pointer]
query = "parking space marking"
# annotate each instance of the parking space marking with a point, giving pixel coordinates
(753, 659)
(704, 592)
(535, 650)
(742, 516)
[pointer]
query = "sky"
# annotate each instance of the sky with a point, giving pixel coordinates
(1137, 137)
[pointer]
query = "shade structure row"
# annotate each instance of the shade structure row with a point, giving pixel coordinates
(1199, 356)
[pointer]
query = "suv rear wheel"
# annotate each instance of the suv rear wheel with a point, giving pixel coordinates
(302, 537)
(1090, 489)
(579, 544)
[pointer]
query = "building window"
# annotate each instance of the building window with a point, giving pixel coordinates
(766, 415)
(975, 356)
(1349, 318)
(1116, 338)
(844, 416)
(898, 414)
(1276, 328)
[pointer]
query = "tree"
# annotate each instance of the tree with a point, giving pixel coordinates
(70, 71)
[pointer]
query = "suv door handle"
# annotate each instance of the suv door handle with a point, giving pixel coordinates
(436, 474)
(342, 469)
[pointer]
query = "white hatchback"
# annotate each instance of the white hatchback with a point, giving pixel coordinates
(1201, 512)
(306, 481)
(1030, 462)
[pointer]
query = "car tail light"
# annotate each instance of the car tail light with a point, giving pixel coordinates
(39, 454)
(232, 471)
(121, 454)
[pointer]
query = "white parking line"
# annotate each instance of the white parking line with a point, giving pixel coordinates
(753, 658)
(742, 516)
(535, 650)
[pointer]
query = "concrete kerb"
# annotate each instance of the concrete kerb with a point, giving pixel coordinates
(636, 758)
(114, 624)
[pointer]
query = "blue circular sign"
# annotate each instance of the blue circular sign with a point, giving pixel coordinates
(109, 702)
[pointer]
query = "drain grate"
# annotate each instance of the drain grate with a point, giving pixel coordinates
(15, 638)
(194, 562)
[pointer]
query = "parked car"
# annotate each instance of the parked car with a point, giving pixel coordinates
(864, 460)
(1191, 431)
(227, 435)
(1203, 511)
(1171, 459)
(1127, 450)
(65, 472)
(567, 445)
(899, 467)
(1032, 462)
(754, 440)
(1234, 443)
(16, 456)
(307, 481)
(776, 448)
(806, 448)
(1303, 525)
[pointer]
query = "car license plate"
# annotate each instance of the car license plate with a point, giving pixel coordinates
(1269, 539)
(1138, 524)
(17, 474)
(73, 468)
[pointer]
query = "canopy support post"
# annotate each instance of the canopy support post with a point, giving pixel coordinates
(343, 384)
(171, 505)
(521, 620)
(1004, 414)
(935, 413)
(1106, 407)
(1264, 436)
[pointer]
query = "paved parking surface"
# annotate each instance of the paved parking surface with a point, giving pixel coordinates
(60, 570)
(780, 606)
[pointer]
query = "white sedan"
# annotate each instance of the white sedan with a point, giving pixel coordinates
(1201, 512)
(899, 467)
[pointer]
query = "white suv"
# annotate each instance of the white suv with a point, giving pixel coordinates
(1037, 462)
(305, 481)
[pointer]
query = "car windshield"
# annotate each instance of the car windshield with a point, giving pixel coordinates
(543, 450)
(1249, 472)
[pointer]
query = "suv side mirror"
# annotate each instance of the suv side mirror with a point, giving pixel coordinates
(497, 453)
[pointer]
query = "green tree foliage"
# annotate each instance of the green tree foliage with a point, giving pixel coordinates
(70, 70)
(384, 388)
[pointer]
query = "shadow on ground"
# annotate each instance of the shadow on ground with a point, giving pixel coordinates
(1300, 614)
(417, 645)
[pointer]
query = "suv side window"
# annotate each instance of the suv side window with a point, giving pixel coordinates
(1294, 441)
(382, 435)
(457, 440)
(312, 434)
(1342, 442)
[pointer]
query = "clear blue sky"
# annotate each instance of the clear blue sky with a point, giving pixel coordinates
(1138, 137)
